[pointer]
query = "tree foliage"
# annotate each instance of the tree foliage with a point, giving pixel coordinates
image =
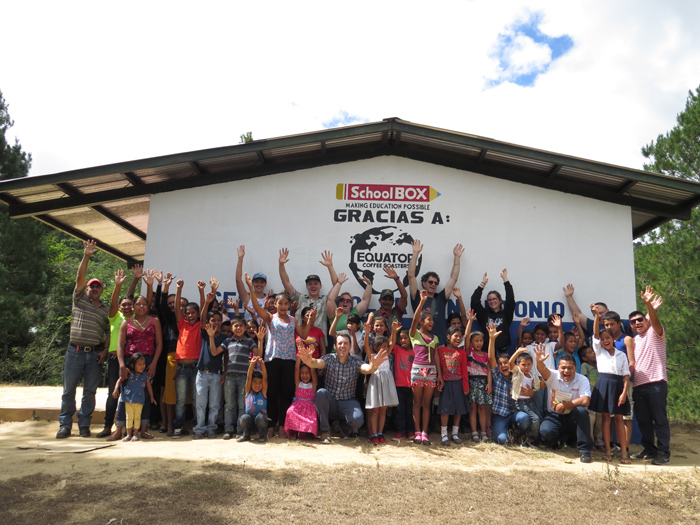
(669, 260)
(247, 137)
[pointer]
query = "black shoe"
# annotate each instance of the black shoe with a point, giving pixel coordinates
(643, 455)
(661, 459)
(586, 457)
(106, 432)
(63, 433)
(84, 432)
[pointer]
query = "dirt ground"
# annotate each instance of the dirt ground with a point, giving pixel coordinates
(166, 480)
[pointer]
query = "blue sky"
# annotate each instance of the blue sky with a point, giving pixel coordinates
(524, 52)
(182, 77)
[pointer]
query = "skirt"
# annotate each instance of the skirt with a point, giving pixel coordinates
(381, 391)
(477, 391)
(424, 376)
(606, 394)
(452, 399)
(170, 371)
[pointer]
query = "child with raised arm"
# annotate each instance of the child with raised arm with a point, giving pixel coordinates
(425, 372)
(480, 385)
(403, 361)
(281, 355)
(524, 384)
(255, 403)
(381, 391)
(345, 301)
(609, 394)
(453, 363)
(189, 346)
(301, 415)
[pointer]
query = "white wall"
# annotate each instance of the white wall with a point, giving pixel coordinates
(545, 238)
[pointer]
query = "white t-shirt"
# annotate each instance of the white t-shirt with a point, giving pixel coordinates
(579, 386)
(610, 364)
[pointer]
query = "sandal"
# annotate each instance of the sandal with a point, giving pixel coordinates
(484, 437)
(475, 437)
(282, 434)
(625, 461)
(127, 438)
(607, 457)
(135, 438)
(146, 435)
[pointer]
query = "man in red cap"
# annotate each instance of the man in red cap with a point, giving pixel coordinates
(89, 343)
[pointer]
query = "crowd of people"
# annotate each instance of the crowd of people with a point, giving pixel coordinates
(301, 365)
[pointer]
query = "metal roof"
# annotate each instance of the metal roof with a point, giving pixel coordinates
(111, 203)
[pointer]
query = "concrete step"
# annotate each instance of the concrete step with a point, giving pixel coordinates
(22, 403)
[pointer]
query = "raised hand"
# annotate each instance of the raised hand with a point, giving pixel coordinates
(339, 312)
(158, 276)
(656, 302)
(214, 283)
(89, 248)
(417, 247)
(180, 283)
(168, 279)
(648, 294)
(248, 281)
(232, 303)
(485, 279)
(493, 331)
(366, 280)
(210, 329)
(201, 285)
(457, 292)
(569, 290)
(210, 297)
(540, 352)
(262, 332)
(390, 273)
(138, 271)
(504, 274)
(311, 315)
(241, 251)
(424, 295)
(284, 256)
(342, 278)
(119, 277)
(458, 250)
(593, 308)
(525, 321)
(326, 259)
(293, 308)
(556, 320)
(471, 315)
(379, 358)
(148, 277)
(395, 326)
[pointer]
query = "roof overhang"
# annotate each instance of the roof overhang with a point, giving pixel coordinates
(111, 203)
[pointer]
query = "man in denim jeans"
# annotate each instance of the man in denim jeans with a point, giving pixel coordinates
(89, 343)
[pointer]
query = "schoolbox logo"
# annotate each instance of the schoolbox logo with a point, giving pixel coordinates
(372, 249)
(385, 192)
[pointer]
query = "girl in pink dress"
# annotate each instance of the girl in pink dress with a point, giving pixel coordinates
(301, 415)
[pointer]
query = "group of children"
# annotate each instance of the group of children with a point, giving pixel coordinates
(422, 371)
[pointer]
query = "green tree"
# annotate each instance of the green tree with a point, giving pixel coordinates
(23, 266)
(246, 137)
(669, 259)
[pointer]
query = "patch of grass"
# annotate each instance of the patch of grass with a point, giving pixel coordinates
(226, 493)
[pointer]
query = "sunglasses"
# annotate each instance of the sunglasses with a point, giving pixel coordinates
(637, 320)
(433, 282)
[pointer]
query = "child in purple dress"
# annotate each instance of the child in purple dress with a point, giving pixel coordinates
(301, 415)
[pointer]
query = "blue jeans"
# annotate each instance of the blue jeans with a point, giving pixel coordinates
(247, 424)
(76, 365)
(234, 399)
(501, 424)
(650, 411)
(329, 409)
(146, 412)
(112, 378)
(556, 426)
(208, 392)
(528, 406)
(185, 381)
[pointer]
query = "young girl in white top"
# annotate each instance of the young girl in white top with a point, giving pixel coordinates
(609, 394)
(381, 391)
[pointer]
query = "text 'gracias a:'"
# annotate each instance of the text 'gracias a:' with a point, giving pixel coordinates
(385, 216)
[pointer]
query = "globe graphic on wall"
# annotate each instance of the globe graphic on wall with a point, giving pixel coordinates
(372, 249)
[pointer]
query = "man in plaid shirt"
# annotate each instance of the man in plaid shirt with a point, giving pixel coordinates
(337, 400)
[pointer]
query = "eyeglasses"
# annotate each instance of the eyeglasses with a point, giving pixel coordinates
(344, 300)
(637, 320)
(433, 282)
